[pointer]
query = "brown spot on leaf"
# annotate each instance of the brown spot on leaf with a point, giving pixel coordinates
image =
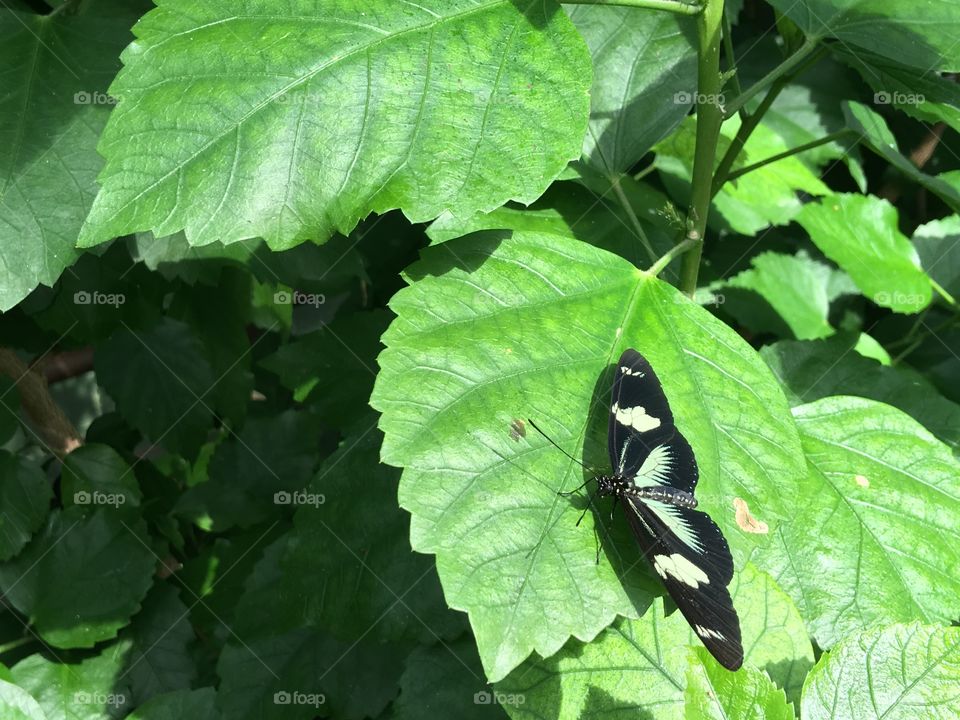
(746, 521)
(518, 430)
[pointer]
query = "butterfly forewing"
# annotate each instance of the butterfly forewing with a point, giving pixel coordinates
(642, 440)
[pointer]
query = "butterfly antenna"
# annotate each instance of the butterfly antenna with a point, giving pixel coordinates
(547, 437)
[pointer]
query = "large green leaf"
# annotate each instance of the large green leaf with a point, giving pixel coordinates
(491, 330)
(642, 665)
(292, 123)
(938, 244)
(25, 498)
(921, 34)
(171, 408)
(875, 134)
(56, 70)
(859, 233)
(197, 704)
(645, 75)
(92, 689)
(899, 672)
(17, 704)
(873, 540)
(102, 559)
(254, 472)
(798, 288)
(813, 370)
(714, 693)
(447, 681)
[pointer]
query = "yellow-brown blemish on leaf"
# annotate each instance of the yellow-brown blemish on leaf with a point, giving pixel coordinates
(746, 521)
(862, 481)
(518, 429)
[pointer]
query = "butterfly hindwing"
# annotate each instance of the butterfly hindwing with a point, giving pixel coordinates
(691, 556)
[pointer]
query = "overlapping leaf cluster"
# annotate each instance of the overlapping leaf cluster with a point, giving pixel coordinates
(264, 451)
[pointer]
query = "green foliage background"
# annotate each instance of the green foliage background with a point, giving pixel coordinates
(278, 280)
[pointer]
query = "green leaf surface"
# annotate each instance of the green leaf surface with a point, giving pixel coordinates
(91, 689)
(898, 672)
(56, 70)
(589, 210)
(714, 693)
(95, 474)
(302, 674)
(447, 681)
(199, 704)
(641, 666)
(157, 646)
(929, 97)
(877, 136)
(645, 75)
(332, 114)
(921, 34)
(869, 544)
(349, 568)
(755, 201)
(331, 368)
(17, 704)
(798, 288)
(159, 379)
(487, 332)
(25, 495)
(813, 370)
(938, 244)
(254, 472)
(100, 556)
(859, 233)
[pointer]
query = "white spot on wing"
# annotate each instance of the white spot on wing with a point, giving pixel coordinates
(631, 372)
(681, 568)
(707, 632)
(635, 417)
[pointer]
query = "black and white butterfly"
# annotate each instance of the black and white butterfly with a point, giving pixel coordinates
(654, 476)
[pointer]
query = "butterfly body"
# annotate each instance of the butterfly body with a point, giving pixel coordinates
(624, 488)
(655, 475)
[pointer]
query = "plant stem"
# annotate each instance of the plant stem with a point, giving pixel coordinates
(787, 153)
(709, 119)
(670, 5)
(950, 300)
(743, 134)
(634, 220)
(660, 265)
(771, 77)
